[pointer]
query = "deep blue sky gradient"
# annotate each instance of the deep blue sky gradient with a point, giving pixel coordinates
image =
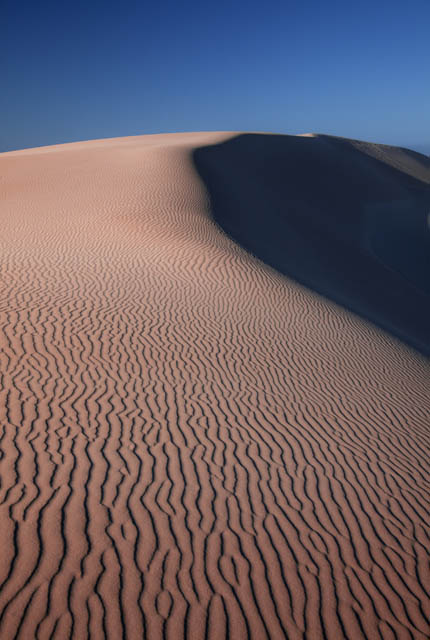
(82, 70)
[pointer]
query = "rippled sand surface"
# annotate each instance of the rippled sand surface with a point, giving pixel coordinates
(192, 445)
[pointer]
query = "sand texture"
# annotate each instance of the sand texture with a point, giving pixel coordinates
(192, 443)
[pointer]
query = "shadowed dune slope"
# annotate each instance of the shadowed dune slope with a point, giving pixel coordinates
(344, 217)
(192, 445)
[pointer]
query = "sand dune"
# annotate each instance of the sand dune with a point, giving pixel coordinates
(194, 445)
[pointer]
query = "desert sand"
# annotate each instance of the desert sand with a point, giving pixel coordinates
(214, 401)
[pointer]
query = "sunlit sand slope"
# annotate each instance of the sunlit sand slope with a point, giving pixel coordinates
(192, 445)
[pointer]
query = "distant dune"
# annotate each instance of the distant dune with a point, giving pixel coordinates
(422, 148)
(214, 400)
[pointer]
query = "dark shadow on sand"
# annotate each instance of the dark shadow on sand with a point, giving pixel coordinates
(348, 225)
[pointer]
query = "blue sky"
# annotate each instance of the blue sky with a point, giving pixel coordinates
(83, 70)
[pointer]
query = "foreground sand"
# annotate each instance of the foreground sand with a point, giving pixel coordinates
(192, 445)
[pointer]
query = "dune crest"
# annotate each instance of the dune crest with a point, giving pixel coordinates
(192, 444)
(344, 217)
